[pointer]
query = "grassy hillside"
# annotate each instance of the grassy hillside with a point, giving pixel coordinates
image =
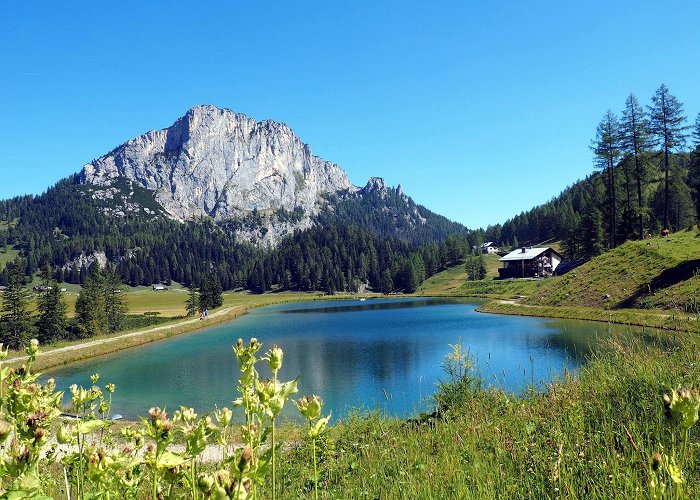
(453, 281)
(660, 273)
(655, 273)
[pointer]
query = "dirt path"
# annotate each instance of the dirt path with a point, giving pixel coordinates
(146, 334)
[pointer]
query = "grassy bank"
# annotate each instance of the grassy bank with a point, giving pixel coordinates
(652, 283)
(660, 319)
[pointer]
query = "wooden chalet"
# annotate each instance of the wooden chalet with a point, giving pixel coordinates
(525, 262)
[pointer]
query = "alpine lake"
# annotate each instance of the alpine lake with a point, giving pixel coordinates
(369, 354)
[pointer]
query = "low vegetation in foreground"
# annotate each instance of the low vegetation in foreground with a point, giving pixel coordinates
(624, 427)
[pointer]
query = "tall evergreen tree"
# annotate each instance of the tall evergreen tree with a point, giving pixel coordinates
(210, 293)
(607, 150)
(52, 322)
(386, 282)
(635, 142)
(16, 325)
(192, 304)
(115, 303)
(592, 233)
(90, 310)
(216, 293)
(667, 127)
(694, 167)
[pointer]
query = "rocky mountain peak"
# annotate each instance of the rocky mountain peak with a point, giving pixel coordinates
(223, 164)
(375, 184)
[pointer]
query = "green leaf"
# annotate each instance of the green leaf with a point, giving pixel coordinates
(20, 494)
(319, 427)
(87, 426)
(170, 459)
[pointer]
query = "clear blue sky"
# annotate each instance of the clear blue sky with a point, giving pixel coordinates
(480, 109)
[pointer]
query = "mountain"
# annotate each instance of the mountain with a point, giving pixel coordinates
(257, 179)
(217, 163)
(219, 193)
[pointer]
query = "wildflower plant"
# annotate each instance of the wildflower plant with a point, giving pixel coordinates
(666, 476)
(262, 402)
(310, 407)
(101, 463)
(27, 412)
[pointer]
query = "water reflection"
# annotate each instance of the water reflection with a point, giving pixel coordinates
(384, 353)
(373, 304)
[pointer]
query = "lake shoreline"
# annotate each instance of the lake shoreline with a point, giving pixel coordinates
(81, 350)
(655, 319)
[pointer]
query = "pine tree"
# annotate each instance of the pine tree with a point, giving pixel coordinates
(607, 149)
(667, 127)
(52, 322)
(16, 325)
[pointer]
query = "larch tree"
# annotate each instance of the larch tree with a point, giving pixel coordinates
(668, 129)
(694, 168)
(635, 142)
(606, 147)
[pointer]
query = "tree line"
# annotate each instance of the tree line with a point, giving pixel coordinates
(100, 308)
(67, 230)
(646, 178)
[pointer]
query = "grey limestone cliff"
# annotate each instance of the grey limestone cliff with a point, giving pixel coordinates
(225, 165)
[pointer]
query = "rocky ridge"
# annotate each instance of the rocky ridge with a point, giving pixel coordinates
(221, 164)
(248, 176)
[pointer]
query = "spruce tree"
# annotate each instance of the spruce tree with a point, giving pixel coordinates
(90, 308)
(115, 304)
(667, 127)
(52, 322)
(16, 325)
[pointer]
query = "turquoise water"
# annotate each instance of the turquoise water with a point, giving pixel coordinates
(384, 353)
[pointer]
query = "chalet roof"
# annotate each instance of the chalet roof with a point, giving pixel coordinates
(488, 244)
(528, 254)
